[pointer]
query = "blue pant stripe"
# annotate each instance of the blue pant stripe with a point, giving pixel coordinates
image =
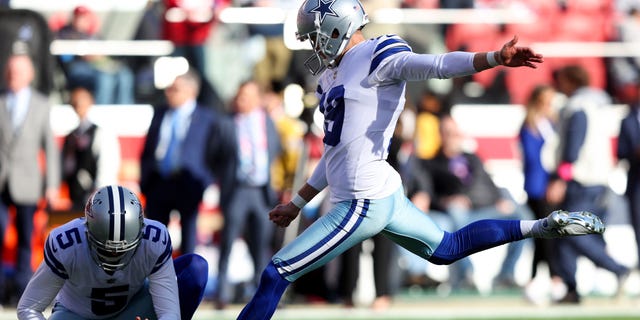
(347, 227)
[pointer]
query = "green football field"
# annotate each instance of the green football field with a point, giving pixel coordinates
(463, 307)
(471, 307)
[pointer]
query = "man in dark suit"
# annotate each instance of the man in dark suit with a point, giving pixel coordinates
(629, 150)
(173, 172)
(25, 131)
(242, 166)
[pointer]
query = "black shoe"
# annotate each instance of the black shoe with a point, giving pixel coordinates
(423, 281)
(505, 284)
(622, 282)
(572, 297)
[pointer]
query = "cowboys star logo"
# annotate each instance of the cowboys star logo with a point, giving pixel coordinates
(324, 8)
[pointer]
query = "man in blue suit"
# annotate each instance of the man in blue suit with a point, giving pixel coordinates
(629, 150)
(241, 153)
(173, 173)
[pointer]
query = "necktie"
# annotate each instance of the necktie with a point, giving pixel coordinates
(11, 109)
(169, 162)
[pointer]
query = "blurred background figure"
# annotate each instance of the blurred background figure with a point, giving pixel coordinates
(90, 153)
(384, 254)
(465, 191)
(28, 31)
(625, 71)
(188, 25)
(291, 131)
(25, 132)
(246, 193)
(427, 136)
(173, 169)
(584, 162)
(629, 151)
(538, 142)
(110, 79)
(421, 191)
(274, 63)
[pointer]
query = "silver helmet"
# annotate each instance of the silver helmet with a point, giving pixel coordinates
(114, 224)
(328, 25)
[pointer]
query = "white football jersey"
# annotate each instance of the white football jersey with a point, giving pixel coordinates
(88, 290)
(361, 100)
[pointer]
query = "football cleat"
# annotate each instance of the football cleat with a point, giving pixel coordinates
(562, 223)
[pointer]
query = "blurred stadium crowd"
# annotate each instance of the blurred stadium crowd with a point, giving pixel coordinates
(115, 63)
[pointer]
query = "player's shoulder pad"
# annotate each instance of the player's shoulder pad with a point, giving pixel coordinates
(157, 241)
(59, 241)
(386, 46)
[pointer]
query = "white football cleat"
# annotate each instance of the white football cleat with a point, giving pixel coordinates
(562, 223)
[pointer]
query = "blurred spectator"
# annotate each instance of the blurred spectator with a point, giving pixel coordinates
(538, 142)
(26, 132)
(626, 5)
(385, 271)
(188, 24)
(173, 170)
(319, 284)
(275, 62)
(384, 253)
(27, 31)
(464, 190)
(245, 185)
(427, 138)
(584, 162)
(90, 153)
(143, 66)
(291, 131)
(420, 190)
(110, 79)
(626, 70)
(629, 151)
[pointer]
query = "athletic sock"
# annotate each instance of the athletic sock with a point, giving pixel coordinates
(475, 237)
(265, 300)
(530, 228)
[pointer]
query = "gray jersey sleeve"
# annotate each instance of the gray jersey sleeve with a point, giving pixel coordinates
(410, 66)
(163, 287)
(40, 292)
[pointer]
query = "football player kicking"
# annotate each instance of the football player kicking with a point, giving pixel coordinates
(361, 94)
(113, 264)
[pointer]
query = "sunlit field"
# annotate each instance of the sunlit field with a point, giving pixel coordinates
(431, 306)
(454, 308)
(510, 305)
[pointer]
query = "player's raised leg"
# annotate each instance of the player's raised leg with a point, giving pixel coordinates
(485, 234)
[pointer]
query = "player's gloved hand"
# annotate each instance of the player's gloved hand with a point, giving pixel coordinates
(283, 214)
(512, 56)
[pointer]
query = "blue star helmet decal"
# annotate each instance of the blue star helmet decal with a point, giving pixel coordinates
(324, 9)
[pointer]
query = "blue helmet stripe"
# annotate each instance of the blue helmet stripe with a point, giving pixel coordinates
(110, 212)
(121, 212)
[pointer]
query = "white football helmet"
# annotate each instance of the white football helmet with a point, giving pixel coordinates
(328, 25)
(114, 223)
